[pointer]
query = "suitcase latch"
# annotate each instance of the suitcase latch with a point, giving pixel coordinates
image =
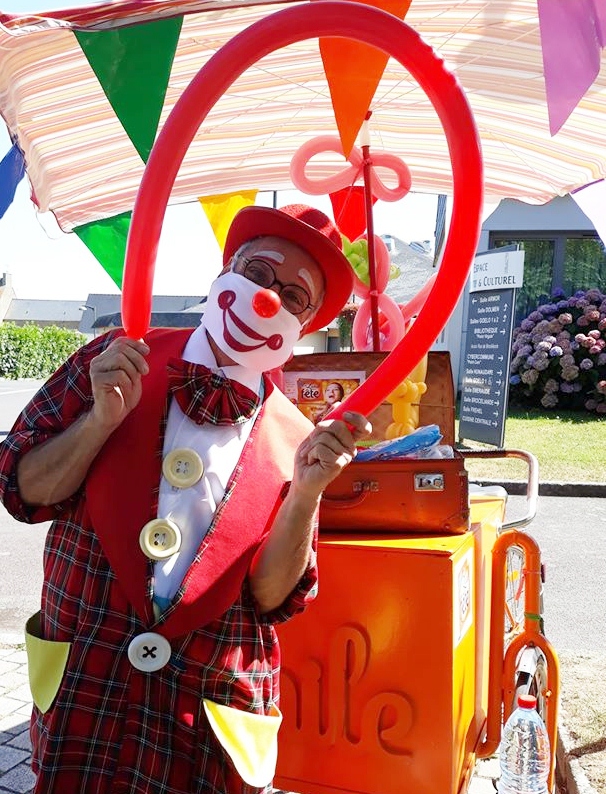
(429, 482)
(359, 486)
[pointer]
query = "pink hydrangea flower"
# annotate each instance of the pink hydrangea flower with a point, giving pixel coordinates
(549, 401)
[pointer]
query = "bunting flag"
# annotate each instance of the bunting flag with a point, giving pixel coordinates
(106, 240)
(349, 210)
(592, 200)
(353, 88)
(133, 65)
(221, 210)
(573, 33)
(12, 171)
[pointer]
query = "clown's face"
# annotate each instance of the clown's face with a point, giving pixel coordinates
(256, 310)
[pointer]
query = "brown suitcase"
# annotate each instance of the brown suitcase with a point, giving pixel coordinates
(408, 496)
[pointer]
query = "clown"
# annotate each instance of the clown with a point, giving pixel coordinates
(183, 490)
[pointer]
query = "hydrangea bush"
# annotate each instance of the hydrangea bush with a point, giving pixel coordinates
(559, 354)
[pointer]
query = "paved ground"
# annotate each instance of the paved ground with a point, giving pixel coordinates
(15, 705)
(574, 617)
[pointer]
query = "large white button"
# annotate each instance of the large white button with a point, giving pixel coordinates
(149, 652)
(160, 538)
(182, 467)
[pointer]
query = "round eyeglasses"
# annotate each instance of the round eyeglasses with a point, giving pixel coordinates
(294, 298)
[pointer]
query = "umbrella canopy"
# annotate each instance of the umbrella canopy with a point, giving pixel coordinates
(83, 97)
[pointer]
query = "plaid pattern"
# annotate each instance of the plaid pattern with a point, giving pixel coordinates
(112, 729)
(207, 396)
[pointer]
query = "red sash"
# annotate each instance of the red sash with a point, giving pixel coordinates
(120, 485)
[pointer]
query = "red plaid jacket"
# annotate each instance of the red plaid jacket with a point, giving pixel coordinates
(111, 728)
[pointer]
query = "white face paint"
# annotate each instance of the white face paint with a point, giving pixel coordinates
(306, 276)
(259, 343)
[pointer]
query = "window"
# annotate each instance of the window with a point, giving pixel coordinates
(553, 261)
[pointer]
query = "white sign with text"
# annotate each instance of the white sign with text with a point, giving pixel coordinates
(497, 270)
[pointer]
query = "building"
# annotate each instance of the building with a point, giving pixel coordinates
(101, 312)
(22, 311)
(562, 250)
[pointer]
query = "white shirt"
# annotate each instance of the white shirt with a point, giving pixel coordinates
(220, 447)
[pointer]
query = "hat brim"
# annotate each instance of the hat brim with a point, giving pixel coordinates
(255, 221)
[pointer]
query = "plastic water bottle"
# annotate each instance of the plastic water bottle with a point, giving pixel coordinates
(524, 754)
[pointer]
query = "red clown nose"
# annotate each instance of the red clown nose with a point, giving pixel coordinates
(266, 303)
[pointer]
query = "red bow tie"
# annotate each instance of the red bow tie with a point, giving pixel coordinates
(206, 396)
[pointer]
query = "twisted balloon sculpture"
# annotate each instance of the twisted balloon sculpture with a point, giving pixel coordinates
(365, 336)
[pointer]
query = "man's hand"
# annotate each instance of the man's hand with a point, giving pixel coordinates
(330, 446)
(115, 378)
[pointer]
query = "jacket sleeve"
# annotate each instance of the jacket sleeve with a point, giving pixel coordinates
(59, 402)
(303, 594)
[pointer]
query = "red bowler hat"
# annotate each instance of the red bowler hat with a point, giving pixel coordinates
(311, 230)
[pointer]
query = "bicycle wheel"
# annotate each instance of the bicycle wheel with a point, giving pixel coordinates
(514, 592)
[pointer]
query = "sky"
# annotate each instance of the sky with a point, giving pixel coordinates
(45, 262)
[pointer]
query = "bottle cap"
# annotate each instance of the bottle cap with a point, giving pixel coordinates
(527, 701)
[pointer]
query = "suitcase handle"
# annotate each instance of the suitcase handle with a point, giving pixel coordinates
(348, 501)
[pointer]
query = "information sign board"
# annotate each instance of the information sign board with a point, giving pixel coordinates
(486, 366)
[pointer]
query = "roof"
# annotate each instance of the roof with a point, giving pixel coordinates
(24, 310)
(83, 166)
(99, 306)
(185, 319)
(415, 269)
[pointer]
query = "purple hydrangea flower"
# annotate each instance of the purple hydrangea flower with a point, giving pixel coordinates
(556, 351)
(586, 363)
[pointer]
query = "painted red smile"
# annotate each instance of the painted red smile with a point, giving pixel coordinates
(225, 301)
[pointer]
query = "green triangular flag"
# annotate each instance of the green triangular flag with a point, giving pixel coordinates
(133, 65)
(106, 240)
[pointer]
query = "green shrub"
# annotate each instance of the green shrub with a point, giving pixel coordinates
(29, 351)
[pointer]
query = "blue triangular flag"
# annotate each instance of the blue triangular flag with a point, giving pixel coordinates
(12, 171)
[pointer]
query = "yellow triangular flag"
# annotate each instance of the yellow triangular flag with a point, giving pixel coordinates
(221, 210)
(353, 71)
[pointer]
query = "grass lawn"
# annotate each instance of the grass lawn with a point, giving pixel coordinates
(569, 445)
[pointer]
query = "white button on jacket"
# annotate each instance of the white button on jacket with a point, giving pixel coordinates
(149, 652)
(160, 538)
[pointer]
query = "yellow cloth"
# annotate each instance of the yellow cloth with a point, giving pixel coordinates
(46, 662)
(250, 740)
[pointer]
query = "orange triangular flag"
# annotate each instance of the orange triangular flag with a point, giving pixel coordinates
(221, 210)
(353, 87)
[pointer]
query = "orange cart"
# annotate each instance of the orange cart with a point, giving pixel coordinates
(402, 672)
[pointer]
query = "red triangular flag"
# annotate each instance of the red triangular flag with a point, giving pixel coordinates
(349, 210)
